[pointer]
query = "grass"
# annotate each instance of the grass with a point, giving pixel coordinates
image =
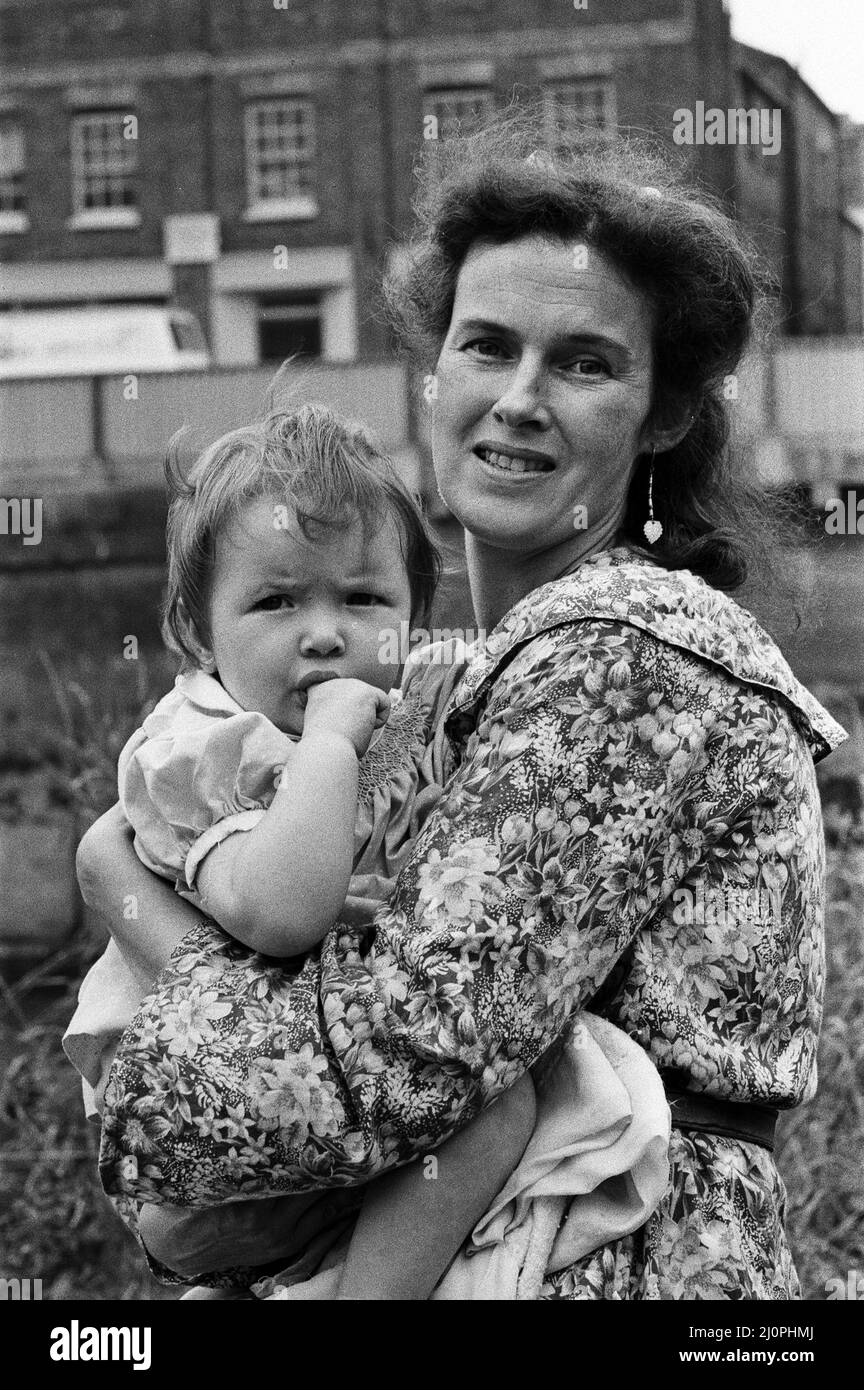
(55, 1224)
(821, 1144)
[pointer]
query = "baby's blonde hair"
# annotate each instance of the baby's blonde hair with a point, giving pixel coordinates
(326, 471)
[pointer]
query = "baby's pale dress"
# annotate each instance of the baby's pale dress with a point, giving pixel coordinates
(201, 768)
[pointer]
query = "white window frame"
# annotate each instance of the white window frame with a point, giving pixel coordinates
(558, 94)
(15, 219)
(120, 163)
(303, 203)
(241, 277)
(438, 98)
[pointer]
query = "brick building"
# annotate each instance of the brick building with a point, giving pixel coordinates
(251, 159)
(852, 147)
(796, 202)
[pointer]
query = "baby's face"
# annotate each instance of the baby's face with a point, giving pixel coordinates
(283, 607)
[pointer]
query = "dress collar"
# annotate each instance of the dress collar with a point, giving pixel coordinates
(206, 693)
(677, 607)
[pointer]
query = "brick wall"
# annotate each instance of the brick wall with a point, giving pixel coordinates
(189, 63)
(37, 32)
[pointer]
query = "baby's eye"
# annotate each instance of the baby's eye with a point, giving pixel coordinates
(363, 599)
(271, 603)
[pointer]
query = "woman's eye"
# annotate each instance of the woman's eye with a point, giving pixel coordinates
(589, 366)
(485, 347)
(363, 599)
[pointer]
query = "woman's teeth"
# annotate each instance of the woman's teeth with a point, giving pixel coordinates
(514, 463)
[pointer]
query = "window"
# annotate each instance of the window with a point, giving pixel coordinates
(104, 149)
(280, 159)
(13, 206)
(186, 333)
(577, 104)
(758, 128)
(289, 328)
(458, 110)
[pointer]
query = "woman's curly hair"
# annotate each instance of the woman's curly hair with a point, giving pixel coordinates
(627, 198)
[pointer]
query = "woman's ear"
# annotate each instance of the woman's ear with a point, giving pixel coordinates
(664, 440)
(665, 435)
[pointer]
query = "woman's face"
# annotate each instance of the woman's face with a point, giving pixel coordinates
(543, 392)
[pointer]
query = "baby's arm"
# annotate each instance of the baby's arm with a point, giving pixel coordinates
(411, 1225)
(280, 886)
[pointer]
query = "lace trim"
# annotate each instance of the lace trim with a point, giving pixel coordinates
(395, 747)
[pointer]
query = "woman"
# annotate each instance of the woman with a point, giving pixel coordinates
(633, 824)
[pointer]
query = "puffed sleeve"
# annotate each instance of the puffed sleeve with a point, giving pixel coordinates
(194, 780)
(527, 883)
(434, 672)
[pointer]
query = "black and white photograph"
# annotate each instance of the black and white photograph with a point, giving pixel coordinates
(432, 699)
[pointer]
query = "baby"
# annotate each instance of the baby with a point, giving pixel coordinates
(283, 777)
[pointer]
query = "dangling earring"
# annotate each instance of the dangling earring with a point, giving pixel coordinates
(652, 529)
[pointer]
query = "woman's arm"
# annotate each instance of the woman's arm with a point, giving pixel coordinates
(412, 1224)
(142, 912)
(554, 843)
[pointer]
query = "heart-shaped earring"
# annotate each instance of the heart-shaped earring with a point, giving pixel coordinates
(653, 529)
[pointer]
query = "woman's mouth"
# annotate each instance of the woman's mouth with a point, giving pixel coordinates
(511, 462)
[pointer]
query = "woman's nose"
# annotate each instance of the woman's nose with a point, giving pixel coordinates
(523, 402)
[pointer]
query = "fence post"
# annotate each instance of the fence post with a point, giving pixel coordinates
(97, 420)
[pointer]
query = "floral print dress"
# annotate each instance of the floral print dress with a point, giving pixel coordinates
(633, 825)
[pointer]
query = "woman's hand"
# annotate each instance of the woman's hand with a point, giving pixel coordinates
(143, 914)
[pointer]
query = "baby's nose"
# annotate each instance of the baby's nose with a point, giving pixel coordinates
(323, 639)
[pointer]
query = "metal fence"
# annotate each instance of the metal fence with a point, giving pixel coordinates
(99, 430)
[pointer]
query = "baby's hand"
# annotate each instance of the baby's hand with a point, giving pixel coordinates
(348, 707)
